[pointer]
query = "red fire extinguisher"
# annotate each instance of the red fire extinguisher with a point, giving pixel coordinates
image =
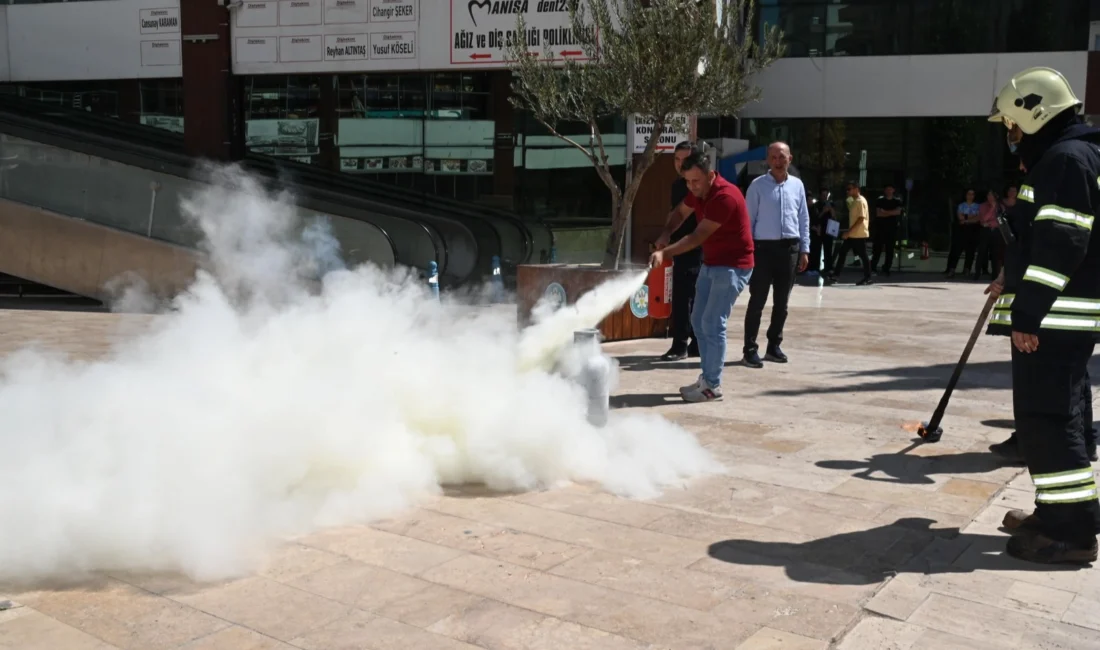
(924, 250)
(660, 290)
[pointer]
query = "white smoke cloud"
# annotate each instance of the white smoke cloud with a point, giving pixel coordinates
(267, 403)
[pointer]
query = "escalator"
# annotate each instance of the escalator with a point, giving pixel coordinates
(460, 237)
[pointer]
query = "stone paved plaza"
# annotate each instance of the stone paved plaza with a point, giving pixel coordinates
(831, 529)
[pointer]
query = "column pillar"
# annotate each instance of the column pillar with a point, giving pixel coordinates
(212, 110)
(504, 173)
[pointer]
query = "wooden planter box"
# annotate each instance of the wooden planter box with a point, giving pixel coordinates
(533, 281)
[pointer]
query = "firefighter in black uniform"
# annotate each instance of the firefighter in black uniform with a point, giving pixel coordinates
(1049, 304)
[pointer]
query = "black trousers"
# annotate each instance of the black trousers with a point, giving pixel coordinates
(884, 236)
(776, 264)
(1048, 397)
(857, 246)
(821, 244)
(991, 247)
(684, 276)
(965, 241)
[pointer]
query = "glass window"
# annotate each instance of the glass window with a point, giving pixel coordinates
(803, 25)
(555, 181)
(282, 116)
(898, 27)
(162, 104)
(96, 97)
(867, 28)
(429, 132)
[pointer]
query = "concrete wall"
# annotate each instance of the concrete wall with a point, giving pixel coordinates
(82, 257)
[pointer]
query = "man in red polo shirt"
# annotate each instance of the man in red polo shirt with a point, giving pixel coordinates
(726, 237)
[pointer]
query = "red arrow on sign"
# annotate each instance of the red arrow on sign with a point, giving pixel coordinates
(572, 53)
(481, 56)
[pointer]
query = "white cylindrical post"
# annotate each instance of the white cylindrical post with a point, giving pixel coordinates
(594, 376)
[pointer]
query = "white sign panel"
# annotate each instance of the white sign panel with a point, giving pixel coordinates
(72, 41)
(299, 36)
(482, 30)
(160, 21)
(643, 131)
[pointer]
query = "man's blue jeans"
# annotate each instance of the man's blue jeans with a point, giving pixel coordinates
(716, 291)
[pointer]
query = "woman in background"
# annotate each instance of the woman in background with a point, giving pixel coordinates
(989, 237)
(966, 233)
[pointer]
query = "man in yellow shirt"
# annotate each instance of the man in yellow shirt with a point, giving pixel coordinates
(855, 240)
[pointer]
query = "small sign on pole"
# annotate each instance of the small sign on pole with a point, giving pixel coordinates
(643, 130)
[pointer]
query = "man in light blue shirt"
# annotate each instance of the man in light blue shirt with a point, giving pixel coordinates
(780, 220)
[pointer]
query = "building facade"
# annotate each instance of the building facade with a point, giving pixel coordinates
(415, 93)
(896, 91)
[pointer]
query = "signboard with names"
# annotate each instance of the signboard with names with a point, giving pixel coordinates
(165, 23)
(325, 35)
(482, 30)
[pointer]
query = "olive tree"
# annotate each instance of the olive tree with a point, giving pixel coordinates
(654, 59)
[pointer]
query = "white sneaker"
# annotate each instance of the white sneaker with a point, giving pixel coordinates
(704, 392)
(693, 386)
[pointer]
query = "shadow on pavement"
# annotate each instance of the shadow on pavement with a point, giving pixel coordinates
(978, 375)
(644, 400)
(868, 556)
(900, 467)
(999, 424)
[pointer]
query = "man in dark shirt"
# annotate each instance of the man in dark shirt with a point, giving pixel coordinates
(685, 268)
(884, 228)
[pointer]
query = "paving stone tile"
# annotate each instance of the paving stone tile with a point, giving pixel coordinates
(428, 606)
(1083, 612)
(900, 597)
(36, 631)
(496, 626)
(236, 638)
(1016, 499)
(294, 560)
(676, 585)
(125, 616)
(379, 548)
(791, 575)
(588, 502)
(936, 640)
(970, 489)
(874, 633)
(474, 537)
(359, 630)
(768, 639)
(360, 585)
(580, 531)
(629, 615)
(268, 607)
(970, 620)
(902, 495)
(787, 611)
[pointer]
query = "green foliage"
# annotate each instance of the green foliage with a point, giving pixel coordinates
(654, 60)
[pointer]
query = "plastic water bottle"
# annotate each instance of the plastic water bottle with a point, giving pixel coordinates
(433, 279)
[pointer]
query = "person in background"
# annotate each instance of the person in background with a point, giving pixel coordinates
(685, 268)
(724, 232)
(965, 238)
(855, 240)
(820, 240)
(780, 221)
(988, 251)
(884, 234)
